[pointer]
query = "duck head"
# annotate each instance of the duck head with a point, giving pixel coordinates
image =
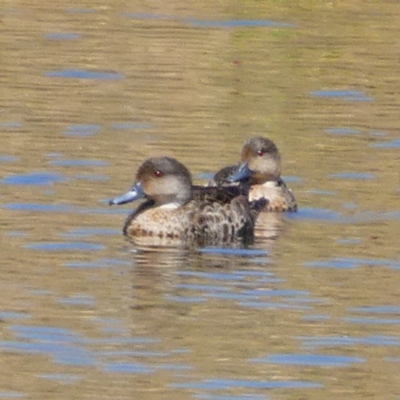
(163, 180)
(260, 162)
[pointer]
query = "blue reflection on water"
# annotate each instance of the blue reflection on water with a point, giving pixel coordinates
(322, 192)
(78, 300)
(273, 306)
(100, 263)
(64, 246)
(343, 262)
(206, 175)
(134, 353)
(33, 178)
(261, 274)
(312, 342)
(348, 241)
(318, 214)
(91, 177)
(253, 297)
(173, 367)
(54, 155)
(61, 208)
(377, 134)
(61, 36)
(371, 216)
(309, 360)
(198, 287)
(233, 252)
(8, 159)
(275, 293)
(235, 289)
(127, 368)
(233, 23)
(231, 296)
(10, 125)
(236, 23)
(67, 347)
(81, 10)
(392, 359)
(82, 130)
(44, 333)
(349, 95)
(249, 396)
(334, 263)
(184, 299)
(372, 321)
(131, 125)
(376, 309)
(146, 16)
(65, 379)
(352, 175)
(79, 163)
(349, 205)
(117, 340)
(210, 275)
(86, 232)
(84, 74)
(38, 207)
(13, 315)
(291, 179)
(315, 317)
(393, 144)
(61, 352)
(16, 234)
(224, 384)
(342, 131)
(11, 395)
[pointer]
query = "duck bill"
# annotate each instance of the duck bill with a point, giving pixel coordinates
(134, 193)
(240, 174)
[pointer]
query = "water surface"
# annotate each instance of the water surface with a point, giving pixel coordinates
(309, 311)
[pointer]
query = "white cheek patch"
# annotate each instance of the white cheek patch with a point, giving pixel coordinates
(170, 206)
(270, 184)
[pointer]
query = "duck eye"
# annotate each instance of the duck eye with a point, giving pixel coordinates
(158, 174)
(260, 152)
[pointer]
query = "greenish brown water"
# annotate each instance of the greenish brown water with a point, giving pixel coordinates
(91, 90)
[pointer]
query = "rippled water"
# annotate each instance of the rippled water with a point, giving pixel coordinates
(311, 310)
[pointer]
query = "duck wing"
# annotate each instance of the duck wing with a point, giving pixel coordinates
(218, 194)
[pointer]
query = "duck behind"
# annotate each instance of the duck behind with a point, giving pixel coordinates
(175, 210)
(260, 171)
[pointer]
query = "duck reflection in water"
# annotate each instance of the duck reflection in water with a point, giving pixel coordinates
(175, 211)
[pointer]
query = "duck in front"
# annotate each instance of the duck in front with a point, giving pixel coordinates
(175, 210)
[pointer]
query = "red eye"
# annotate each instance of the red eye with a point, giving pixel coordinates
(260, 152)
(158, 174)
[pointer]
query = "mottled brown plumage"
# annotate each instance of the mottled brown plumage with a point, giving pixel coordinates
(177, 211)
